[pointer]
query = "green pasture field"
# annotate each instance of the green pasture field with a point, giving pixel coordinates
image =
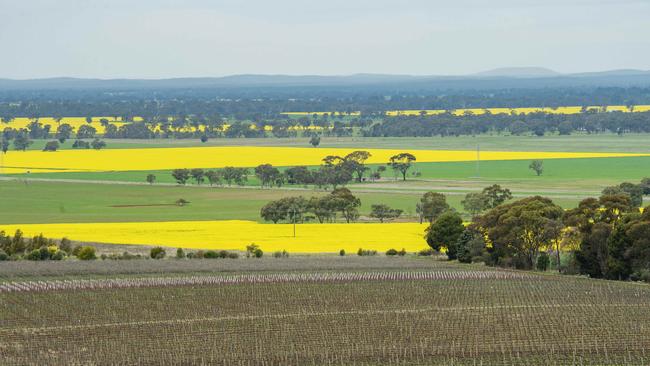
(578, 176)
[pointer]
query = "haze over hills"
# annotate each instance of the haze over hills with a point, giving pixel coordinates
(514, 77)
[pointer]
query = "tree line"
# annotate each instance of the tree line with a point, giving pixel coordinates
(334, 171)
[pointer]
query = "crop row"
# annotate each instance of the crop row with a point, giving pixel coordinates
(115, 283)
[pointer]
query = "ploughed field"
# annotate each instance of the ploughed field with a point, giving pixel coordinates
(315, 310)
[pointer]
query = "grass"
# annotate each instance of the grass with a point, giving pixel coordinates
(43, 202)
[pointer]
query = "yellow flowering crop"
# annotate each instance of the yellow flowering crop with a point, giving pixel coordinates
(235, 234)
(74, 122)
(479, 111)
(239, 156)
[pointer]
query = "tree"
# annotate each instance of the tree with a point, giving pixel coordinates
(198, 175)
(98, 144)
(273, 211)
(475, 203)
(496, 195)
(431, 206)
(267, 174)
(63, 132)
(401, 163)
(214, 177)
(51, 146)
(346, 203)
(181, 175)
(86, 132)
(645, 185)
(323, 208)
(235, 175)
(470, 246)
(22, 141)
(444, 233)
(4, 145)
(383, 212)
(355, 162)
(517, 230)
(537, 166)
(80, 144)
(151, 178)
(180, 253)
(291, 209)
(314, 140)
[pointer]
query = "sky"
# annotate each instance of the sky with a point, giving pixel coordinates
(196, 38)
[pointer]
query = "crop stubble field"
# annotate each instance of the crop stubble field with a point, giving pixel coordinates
(424, 313)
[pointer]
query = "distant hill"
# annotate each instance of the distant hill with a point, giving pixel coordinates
(519, 72)
(517, 77)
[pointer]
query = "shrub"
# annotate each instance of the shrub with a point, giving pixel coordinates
(180, 254)
(402, 252)
(34, 255)
(211, 254)
(66, 245)
(543, 261)
(3, 256)
(281, 254)
(233, 255)
(342, 252)
(58, 255)
(391, 252)
(86, 253)
(366, 252)
(426, 252)
(258, 253)
(157, 253)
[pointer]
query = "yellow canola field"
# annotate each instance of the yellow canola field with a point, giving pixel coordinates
(74, 122)
(479, 111)
(236, 235)
(239, 156)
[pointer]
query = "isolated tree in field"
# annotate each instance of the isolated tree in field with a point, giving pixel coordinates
(475, 203)
(98, 144)
(181, 175)
(267, 174)
(496, 195)
(537, 166)
(151, 178)
(519, 229)
(63, 132)
(198, 175)
(383, 212)
(314, 140)
(51, 146)
(401, 163)
(444, 233)
(431, 206)
(22, 141)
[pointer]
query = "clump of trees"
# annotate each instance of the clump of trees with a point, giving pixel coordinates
(35, 248)
(324, 209)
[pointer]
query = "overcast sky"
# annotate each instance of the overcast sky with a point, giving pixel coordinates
(166, 38)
